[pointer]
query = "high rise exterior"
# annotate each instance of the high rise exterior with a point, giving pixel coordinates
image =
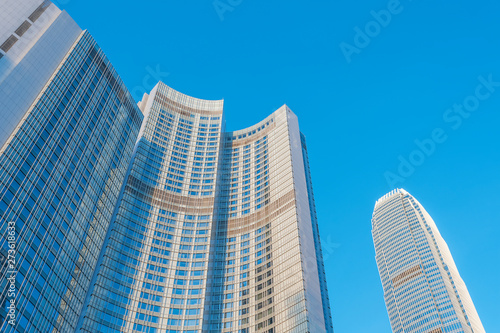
(149, 217)
(67, 132)
(215, 231)
(423, 290)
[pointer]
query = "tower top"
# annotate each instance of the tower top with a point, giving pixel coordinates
(389, 195)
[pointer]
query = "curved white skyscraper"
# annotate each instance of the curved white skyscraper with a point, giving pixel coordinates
(117, 217)
(215, 231)
(422, 288)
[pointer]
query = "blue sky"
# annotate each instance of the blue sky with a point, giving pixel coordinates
(361, 118)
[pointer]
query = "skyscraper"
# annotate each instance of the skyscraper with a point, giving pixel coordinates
(67, 131)
(215, 231)
(422, 288)
(148, 217)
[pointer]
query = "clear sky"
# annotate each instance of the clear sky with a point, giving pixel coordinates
(361, 118)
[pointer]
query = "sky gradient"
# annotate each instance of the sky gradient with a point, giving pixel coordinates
(368, 103)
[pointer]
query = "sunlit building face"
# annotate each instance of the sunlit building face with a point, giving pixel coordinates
(422, 288)
(149, 217)
(215, 230)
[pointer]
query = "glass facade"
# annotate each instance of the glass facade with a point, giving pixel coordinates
(61, 172)
(206, 236)
(149, 217)
(423, 290)
(153, 271)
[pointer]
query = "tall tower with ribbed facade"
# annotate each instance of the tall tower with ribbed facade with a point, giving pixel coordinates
(117, 217)
(68, 127)
(423, 290)
(215, 231)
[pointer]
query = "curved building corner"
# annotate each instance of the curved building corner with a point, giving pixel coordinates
(215, 231)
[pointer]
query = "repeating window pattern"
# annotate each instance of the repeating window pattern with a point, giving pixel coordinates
(256, 223)
(154, 270)
(422, 288)
(198, 229)
(150, 218)
(60, 177)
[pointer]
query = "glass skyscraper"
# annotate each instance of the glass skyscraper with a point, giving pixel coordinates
(67, 132)
(149, 217)
(215, 231)
(422, 288)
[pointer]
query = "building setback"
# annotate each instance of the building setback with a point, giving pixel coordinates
(149, 217)
(422, 288)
